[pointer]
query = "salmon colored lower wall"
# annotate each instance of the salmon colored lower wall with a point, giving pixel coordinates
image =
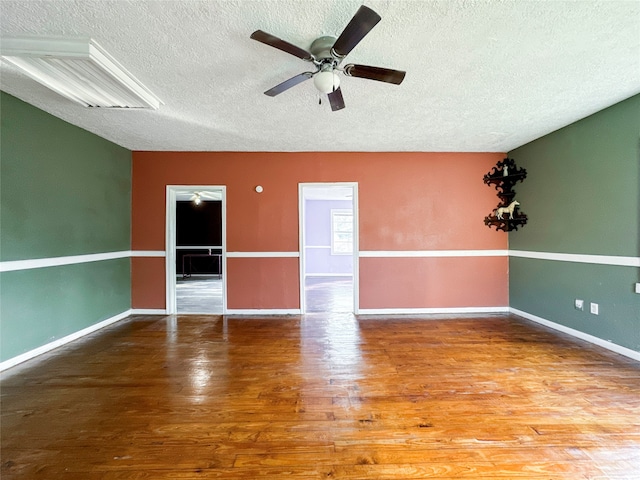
(445, 282)
(263, 283)
(148, 277)
(407, 201)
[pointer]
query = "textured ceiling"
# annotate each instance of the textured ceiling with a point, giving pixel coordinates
(481, 75)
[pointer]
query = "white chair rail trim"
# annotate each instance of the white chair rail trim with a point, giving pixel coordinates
(15, 265)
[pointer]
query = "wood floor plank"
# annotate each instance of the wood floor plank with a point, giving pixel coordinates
(322, 396)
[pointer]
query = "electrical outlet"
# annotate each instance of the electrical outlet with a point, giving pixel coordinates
(638, 287)
(594, 308)
(579, 304)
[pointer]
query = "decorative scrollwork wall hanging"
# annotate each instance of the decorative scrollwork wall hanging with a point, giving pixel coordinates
(503, 177)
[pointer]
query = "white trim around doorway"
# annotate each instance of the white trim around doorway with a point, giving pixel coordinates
(170, 241)
(356, 243)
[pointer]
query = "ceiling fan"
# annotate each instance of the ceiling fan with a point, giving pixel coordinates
(327, 53)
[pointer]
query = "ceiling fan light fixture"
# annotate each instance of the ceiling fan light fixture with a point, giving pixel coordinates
(326, 81)
(80, 70)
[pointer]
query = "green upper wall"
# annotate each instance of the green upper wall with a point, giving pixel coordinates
(582, 191)
(63, 191)
(582, 196)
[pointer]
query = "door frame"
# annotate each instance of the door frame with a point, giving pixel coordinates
(356, 242)
(170, 242)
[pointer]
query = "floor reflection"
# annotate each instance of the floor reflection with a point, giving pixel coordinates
(331, 354)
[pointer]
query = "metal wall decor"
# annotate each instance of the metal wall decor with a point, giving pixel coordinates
(503, 177)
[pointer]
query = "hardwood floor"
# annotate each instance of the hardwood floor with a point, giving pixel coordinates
(322, 396)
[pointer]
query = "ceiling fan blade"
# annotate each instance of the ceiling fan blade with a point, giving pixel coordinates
(361, 24)
(280, 44)
(375, 73)
(336, 100)
(287, 84)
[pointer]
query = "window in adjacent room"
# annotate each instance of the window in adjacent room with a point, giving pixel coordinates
(341, 232)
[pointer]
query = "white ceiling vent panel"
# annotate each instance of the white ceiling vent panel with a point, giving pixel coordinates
(80, 70)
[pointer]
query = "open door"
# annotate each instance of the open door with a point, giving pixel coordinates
(328, 247)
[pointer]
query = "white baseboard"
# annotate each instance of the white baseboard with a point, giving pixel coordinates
(148, 311)
(263, 311)
(627, 352)
(61, 341)
(429, 311)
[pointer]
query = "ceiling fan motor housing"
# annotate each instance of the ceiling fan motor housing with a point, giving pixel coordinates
(321, 48)
(326, 80)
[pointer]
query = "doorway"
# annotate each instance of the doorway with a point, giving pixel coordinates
(196, 252)
(328, 247)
